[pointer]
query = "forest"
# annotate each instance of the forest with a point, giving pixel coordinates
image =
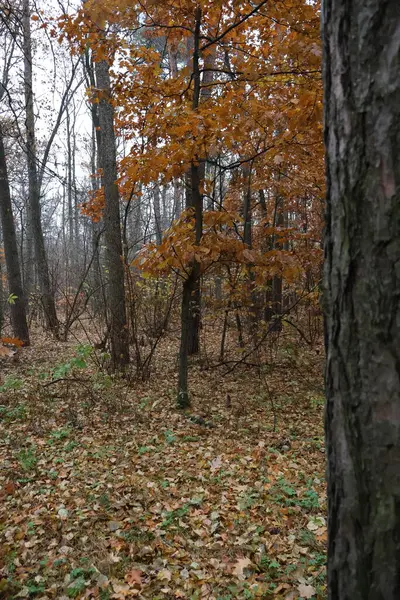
(162, 207)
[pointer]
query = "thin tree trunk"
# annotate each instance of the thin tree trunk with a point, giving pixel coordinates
(194, 317)
(136, 225)
(64, 238)
(248, 240)
(96, 278)
(165, 220)
(157, 213)
(75, 207)
(177, 209)
(95, 233)
(173, 66)
(201, 93)
(362, 297)
(47, 294)
(193, 196)
(239, 329)
(183, 399)
(273, 297)
(115, 290)
(73, 238)
(277, 283)
(223, 336)
(190, 310)
(17, 299)
(28, 254)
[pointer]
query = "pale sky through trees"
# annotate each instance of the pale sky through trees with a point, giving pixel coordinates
(52, 65)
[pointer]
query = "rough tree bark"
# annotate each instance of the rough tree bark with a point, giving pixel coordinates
(115, 290)
(18, 306)
(362, 296)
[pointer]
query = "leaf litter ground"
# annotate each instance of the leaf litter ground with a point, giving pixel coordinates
(109, 491)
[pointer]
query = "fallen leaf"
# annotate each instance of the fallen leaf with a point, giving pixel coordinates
(216, 463)
(292, 595)
(123, 590)
(134, 577)
(8, 489)
(306, 591)
(4, 351)
(240, 566)
(102, 580)
(164, 574)
(114, 525)
(315, 523)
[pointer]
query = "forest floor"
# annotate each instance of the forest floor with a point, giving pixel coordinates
(107, 490)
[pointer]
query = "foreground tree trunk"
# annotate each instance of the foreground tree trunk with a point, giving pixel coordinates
(362, 296)
(47, 294)
(115, 290)
(17, 305)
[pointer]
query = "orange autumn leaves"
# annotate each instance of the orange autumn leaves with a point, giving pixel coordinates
(260, 106)
(222, 246)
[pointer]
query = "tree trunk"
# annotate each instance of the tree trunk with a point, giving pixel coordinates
(362, 297)
(115, 290)
(17, 300)
(191, 297)
(165, 220)
(47, 294)
(73, 235)
(195, 284)
(189, 287)
(173, 67)
(273, 297)
(157, 213)
(248, 240)
(28, 263)
(193, 179)
(96, 227)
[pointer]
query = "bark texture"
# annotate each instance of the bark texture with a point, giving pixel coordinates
(115, 290)
(17, 307)
(362, 296)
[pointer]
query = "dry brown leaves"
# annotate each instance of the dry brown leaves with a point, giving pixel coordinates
(139, 501)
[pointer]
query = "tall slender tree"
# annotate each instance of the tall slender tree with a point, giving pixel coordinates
(47, 293)
(191, 285)
(17, 299)
(115, 291)
(14, 276)
(362, 296)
